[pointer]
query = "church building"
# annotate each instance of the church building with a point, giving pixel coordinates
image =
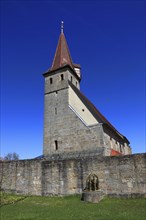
(71, 122)
(81, 147)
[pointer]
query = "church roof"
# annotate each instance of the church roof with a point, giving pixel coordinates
(62, 55)
(96, 113)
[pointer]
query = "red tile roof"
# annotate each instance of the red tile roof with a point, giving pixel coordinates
(115, 153)
(62, 54)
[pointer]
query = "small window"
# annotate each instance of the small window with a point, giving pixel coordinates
(51, 80)
(56, 92)
(71, 78)
(62, 77)
(83, 110)
(55, 111)
(76, 83)
(56, 145)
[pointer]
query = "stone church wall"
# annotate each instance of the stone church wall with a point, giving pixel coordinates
(118, 176)
(111, 143)
(66, 129)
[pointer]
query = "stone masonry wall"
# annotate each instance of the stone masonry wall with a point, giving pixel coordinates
(64, 131)
(65, 128)
(125, 174)
(118, 176)
(22, 177)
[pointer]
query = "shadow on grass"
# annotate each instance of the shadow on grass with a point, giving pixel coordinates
(7, 199)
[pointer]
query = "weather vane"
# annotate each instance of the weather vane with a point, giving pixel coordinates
(62, 26)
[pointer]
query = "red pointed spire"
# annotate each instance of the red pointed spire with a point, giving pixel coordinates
(62, 55)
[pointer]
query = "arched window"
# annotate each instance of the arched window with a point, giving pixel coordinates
(92, 183)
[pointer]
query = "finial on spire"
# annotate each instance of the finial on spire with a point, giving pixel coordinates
(62, 26)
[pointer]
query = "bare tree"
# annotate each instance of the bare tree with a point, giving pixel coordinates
(11, 156)
(1, 158)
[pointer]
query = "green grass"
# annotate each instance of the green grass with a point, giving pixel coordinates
(6, 199)
(72, 208)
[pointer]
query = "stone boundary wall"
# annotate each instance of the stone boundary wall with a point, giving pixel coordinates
(119, 176)
(76, 155)
(125, 176)
(22, 176)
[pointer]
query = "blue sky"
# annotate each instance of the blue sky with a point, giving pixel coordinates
(106, 37)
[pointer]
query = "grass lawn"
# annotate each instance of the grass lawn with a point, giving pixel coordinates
(70, 208)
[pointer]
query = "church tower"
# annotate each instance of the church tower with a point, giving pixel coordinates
(71, 122)
(57, 79)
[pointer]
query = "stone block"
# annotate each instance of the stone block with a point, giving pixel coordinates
(92, 196)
